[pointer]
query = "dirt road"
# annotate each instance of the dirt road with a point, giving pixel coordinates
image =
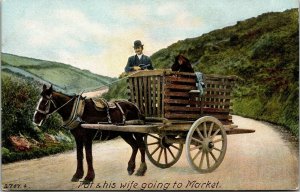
(261, 160)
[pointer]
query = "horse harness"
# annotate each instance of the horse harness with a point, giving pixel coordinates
(75, 117)
(99, 103)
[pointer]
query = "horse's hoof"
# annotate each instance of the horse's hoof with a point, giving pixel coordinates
(142, 170)
(130, 172)
(75, 179)
(131, 168)
(87, 181)
(140, 173)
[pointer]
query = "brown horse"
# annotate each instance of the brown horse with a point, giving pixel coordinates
(52, 101)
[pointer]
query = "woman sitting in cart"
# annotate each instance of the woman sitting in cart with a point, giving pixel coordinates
(182, 64)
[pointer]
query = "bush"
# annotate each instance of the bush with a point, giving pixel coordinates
(268, 46)
(19, 98)
(4, 151)
(9, 157)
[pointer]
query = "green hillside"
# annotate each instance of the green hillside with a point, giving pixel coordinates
(64, 77)
(263, 51)
(21, 83)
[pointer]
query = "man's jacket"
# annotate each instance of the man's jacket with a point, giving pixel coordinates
(144, 63)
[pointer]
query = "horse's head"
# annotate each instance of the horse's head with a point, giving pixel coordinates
(45, 106)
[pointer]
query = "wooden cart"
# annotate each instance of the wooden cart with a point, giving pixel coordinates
(176, 114)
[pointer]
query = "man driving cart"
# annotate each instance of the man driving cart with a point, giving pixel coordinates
(139, 61)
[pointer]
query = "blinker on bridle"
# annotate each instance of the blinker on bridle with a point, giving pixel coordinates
(48, 103)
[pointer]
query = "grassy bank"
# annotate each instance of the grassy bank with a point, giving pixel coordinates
(19, 98)
(13, 156)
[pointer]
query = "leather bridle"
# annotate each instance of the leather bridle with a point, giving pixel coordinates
(48, 103)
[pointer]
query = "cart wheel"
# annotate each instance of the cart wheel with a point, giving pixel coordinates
(206, 144)
(161, 153)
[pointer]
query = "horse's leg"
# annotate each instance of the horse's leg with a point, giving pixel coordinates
(79, 171)
(131, 141)
(89, 159)
(142, 147)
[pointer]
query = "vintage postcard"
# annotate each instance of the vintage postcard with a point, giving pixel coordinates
(102, 95)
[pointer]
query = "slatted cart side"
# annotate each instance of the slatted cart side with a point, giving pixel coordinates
(181, 104)
(217, 100)
(145, 89)
(163, 93)
(177, 101)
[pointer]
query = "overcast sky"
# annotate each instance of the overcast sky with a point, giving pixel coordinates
(98, 35)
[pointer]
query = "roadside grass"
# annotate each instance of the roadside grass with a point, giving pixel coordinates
(10, 156)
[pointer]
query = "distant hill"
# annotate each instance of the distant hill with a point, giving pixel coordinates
(263, 51)
(64, 77)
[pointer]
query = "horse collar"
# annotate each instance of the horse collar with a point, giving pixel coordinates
(75, 117)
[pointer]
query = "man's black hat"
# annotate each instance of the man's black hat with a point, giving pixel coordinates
(137, 44)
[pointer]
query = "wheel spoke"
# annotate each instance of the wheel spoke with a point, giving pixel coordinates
(211, 128)
(196, 147)
(207, 159)
(218, 140)
(204, 129)
(154, 136)
(174, 147)
(217, 131)
(199, 133)
(197, 155)
(171, 153)
(217, 149)
(155, 150)
(159, 156)
(161, 153)
(166, 156)
(196, 140)
(213, 156)
(206, 148)
(153, 143)
(201, 161)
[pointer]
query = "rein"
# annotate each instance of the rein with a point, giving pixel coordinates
(49, 101)
(114, 82)
(60, 106)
